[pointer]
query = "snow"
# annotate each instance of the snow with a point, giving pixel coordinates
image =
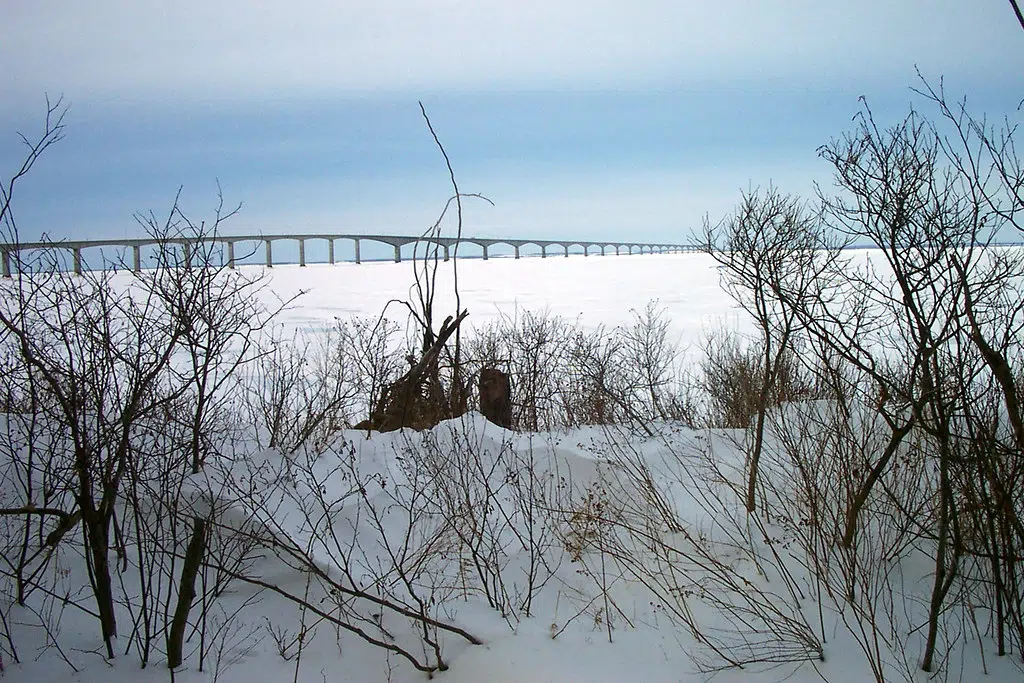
(595, 290)
(566, 635)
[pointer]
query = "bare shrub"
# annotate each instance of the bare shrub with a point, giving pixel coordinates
(919, 348)
(772, 251)
(125, 377)
(566, 376)
(305, 389)
(365, 540)
(531, 349)
(719, 567)
(732, 377)
(814, 472)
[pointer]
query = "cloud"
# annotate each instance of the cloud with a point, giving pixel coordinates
(274, 49)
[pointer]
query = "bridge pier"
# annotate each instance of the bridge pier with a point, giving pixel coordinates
(302, 253)
(358, 260)
(566, 247)
(586, 250)
(136, 258)
(76, 256)
(330, 250)
(270, 254)
(543, 251)
(485, 252)
(398, 254)
(5, 260)
(516, 247)
(231, 255)
(447, 256)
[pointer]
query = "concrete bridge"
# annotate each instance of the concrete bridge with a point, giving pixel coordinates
(447, 244)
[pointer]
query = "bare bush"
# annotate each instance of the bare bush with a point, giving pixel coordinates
(530, 349)
(364, 538)
(772, 251)
(731, 377)
(897, 345)
(566, 376)
(718, 567)
(305, 389)
(127, 377)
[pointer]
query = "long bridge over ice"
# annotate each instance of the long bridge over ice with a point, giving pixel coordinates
(449, 245)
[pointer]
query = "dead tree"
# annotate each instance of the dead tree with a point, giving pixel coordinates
(417, 399)
(430, 391)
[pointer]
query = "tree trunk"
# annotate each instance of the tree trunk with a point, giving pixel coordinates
(186, 592)
(99, 544)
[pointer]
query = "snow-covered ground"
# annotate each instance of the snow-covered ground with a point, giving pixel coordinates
(596, 290)
(621, 569)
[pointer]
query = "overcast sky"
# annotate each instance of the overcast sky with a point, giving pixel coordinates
(593, 120)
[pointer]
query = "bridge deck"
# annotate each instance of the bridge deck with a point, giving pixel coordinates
(447, 244)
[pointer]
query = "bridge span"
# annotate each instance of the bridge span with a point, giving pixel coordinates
(449, 245)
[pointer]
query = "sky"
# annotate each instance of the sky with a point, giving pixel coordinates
(579, 120)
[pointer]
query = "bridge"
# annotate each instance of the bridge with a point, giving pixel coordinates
(447, 244)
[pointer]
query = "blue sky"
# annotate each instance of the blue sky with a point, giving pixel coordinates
(584, 120)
